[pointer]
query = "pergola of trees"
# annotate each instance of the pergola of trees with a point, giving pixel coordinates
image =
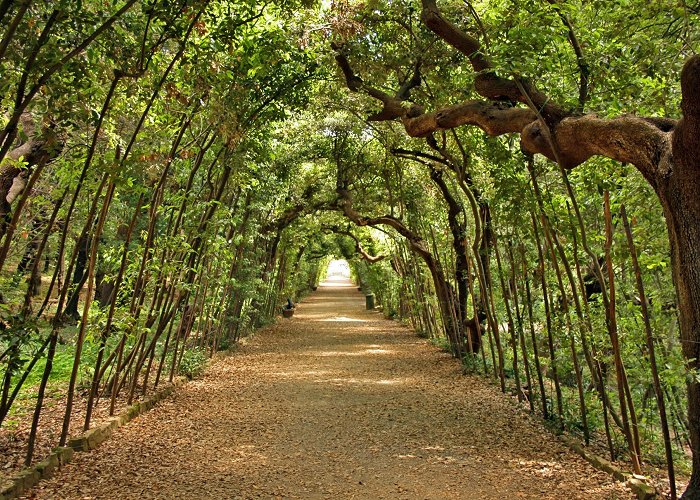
(170, 172)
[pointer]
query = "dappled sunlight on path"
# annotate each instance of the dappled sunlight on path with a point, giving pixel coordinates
(336, 402)
(336, 282)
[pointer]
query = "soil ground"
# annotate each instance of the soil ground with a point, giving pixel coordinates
(336, 402)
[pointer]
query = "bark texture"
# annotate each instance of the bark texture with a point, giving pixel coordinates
(678, 187)
(39, 146)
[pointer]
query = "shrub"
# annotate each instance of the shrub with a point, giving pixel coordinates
(192, 363)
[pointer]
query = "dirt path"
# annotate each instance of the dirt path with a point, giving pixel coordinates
(335, 403)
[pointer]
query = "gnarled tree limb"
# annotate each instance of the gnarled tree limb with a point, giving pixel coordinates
(493, 118)
(392, 106)
(487, 83)
(40, 146)
(627, 139)
(417, 243)
(545, 128)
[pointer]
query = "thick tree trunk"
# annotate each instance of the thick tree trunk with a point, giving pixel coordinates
(470, 330)
(103, 289)
(36, 233)
(681, 203)
(40, 148)
(680, 197)
(684, 234)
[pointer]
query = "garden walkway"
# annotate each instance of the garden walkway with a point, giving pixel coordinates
(336, 402)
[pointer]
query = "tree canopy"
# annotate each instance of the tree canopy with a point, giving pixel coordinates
(518, 180)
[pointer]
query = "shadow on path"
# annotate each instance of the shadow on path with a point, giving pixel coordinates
(336, 402)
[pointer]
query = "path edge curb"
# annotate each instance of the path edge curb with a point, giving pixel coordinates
(639, 487)
(31, 476)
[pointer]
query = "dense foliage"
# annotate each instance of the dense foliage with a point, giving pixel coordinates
(172, 172)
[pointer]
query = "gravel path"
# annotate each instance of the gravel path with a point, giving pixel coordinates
(336, 402)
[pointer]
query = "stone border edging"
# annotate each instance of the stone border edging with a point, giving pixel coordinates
(89, 440)
(640, 488)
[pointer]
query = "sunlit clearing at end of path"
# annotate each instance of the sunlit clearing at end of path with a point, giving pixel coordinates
(338, 268)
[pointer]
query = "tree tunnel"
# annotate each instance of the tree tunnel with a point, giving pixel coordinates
(517, 181)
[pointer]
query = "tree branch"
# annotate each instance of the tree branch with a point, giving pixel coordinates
(40, 146)
(583, 68)
(544, 127)
(414, 81)
(417, 243)
(419, 155)
(493, 118)
(358, 247)
(487, 83)
(392, 107)
(627, 139)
